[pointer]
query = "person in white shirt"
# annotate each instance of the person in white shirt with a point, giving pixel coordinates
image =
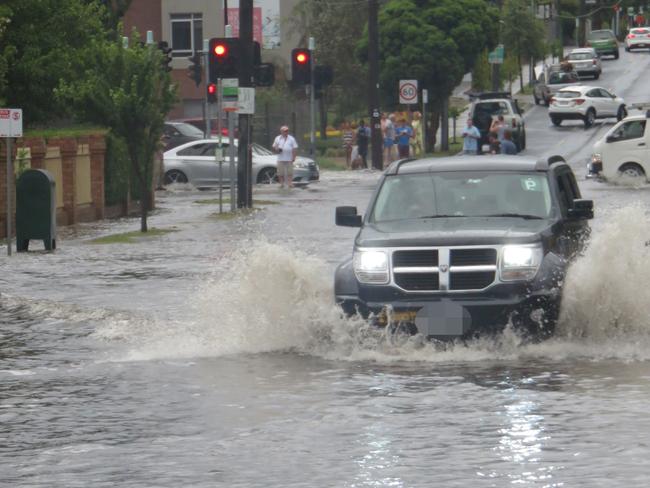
(286, 147)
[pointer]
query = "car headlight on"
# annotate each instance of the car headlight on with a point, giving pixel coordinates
(371, 266)
(597, 158)
(520, 262)
(300, 164)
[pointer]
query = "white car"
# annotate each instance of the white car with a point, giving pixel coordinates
(637, 38)
(585, 62)
(195, 163)
(586, 103)
(624, 150)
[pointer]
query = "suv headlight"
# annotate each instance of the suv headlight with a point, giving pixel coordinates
(520, 263)
(371, 266)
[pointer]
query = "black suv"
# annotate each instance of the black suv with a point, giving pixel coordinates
(452, 247)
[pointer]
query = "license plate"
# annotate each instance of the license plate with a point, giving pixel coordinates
(394, 317)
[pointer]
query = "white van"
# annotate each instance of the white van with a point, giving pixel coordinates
(623, 151)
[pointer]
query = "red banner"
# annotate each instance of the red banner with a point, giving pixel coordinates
(233, 20)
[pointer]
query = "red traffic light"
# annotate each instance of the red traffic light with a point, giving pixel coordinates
(220, 50)
(212, 89)
(302, 57)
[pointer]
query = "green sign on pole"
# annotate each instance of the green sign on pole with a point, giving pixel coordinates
(496, 56)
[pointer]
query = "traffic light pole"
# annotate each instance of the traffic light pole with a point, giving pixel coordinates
(206, 62)
(373, 85)
(246, 62)
(312, 99)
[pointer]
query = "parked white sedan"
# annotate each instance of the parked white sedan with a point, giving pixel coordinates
(586, 103)
(195, 163)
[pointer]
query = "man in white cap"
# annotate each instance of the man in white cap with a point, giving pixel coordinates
(286, 147)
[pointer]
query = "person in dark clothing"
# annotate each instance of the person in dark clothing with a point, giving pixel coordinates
(507, 146)
(363, 135)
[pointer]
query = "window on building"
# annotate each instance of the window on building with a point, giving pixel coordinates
(187, 34)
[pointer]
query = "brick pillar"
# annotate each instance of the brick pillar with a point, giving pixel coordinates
(68, 148)
(37, 151)
(97, 154)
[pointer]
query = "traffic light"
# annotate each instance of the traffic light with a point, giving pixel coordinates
(301, 66)
(195, 70)
(167, 55)
(264, 74)
(223, 58)
(212, 93)
(323, 77)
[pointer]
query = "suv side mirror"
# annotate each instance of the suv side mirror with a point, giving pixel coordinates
(348, 217)
(611, 139)
(582, 210)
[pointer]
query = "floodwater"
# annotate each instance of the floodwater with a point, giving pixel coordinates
(214, 356)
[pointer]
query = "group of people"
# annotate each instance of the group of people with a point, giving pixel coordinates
(400, 138)
(499, 138)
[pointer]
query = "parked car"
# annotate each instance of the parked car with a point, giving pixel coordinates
(487, 106)
(552, 79)
(604, 42)
(194, 163)
(637, 38)
(458, 246)
(199, 123)
(623, 151)
(586, 103)
(585, 62)
(177, 133)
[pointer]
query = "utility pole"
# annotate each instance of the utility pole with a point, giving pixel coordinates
(244, 166)
(312, 99)
(373, 84)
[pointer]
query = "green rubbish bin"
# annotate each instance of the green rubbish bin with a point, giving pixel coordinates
(35, 209)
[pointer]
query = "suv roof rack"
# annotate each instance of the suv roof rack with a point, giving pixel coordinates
(487, 95)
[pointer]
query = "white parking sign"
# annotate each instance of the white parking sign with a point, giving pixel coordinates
(408, 91)
(11, 122)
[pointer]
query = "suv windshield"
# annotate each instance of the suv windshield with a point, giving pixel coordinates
(188, 130)
(600, 35)
(462, 194)
(560, 77)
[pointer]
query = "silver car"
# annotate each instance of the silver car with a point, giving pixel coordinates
(585, 62)
(195, 163)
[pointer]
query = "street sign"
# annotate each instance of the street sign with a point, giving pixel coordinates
(425, 96)
(496, 56)
(246, 101)
(630, 11)
(230, 94)
(408, 91)
(11, 122)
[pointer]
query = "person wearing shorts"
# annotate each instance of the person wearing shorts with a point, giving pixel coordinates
(388, 126)
(286, 147)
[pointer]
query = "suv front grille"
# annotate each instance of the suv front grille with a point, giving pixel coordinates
(444, 269)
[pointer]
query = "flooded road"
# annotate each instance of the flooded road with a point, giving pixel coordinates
(214, 356)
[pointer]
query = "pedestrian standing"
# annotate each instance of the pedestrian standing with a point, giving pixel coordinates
(286, 147)
(471, 136)
(499, 127)
(347, 137)
(388, 128)
(507, 146)
(403, 135)
(363, 136)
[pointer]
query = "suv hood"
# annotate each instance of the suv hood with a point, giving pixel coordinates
(455, 231)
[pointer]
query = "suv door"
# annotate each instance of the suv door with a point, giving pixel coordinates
(628, 143)
(573, 232)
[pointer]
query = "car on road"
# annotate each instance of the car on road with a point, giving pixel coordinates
(487, 106)
(586, 103)
(624, 151)
(585, 62)
(604, 42)
(458, 246)
(195, 163)
(637, 38)
(177, 133)
(552, 79)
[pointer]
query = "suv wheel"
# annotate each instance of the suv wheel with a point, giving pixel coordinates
(536, 99)
(175, 176)
(616, 54)
(621, 114)
(597, 75)
(631, 170)
(590, 118)
(556, 121)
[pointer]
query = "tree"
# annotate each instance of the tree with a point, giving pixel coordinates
(43, 42)
(127, 90)
(433, 41)
(523, 33)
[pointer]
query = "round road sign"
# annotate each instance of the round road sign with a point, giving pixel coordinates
(408, 92)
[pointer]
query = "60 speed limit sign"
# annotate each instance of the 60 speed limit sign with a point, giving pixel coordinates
(408, 91)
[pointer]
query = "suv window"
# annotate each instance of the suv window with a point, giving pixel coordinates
(634, 129)
(462, 194)
(601, 35)
(558, 77)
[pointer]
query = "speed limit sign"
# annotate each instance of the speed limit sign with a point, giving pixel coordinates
(408, 91)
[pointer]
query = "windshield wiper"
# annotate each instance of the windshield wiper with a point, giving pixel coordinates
(521, 216)
(439, 216)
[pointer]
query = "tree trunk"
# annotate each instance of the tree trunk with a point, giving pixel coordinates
(521, 74)
(144, 206)
(444, 126)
